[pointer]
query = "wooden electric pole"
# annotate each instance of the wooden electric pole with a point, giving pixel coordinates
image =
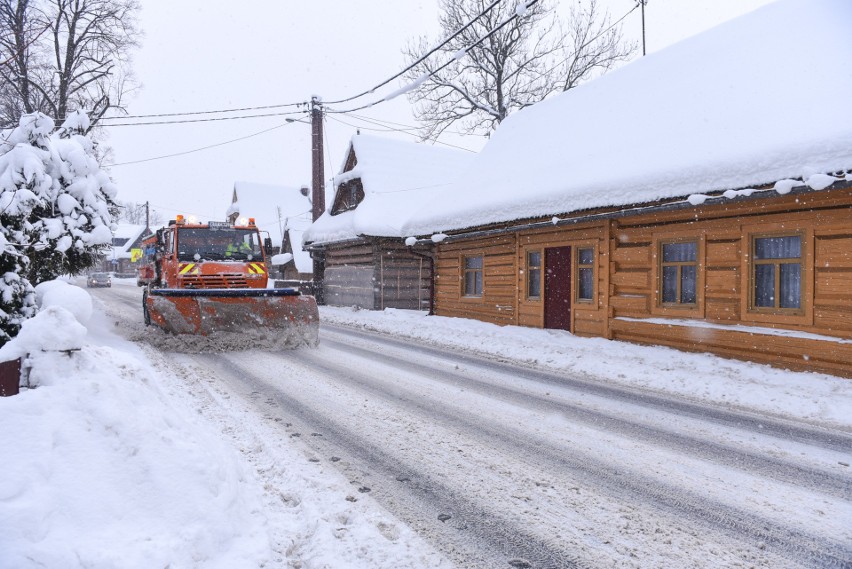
(318, 191)
(643, 2)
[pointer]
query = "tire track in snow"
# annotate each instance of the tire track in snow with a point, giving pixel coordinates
(828, 439)
(626, 487)
(835, 485)
(475, 537)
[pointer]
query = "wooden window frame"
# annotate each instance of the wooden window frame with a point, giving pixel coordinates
(576, 247)
(540, 269)
(678, 309)
(464, 272)
(772, 315)
(662, 264)
(348, 196)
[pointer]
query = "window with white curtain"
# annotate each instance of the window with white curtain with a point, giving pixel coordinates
(776, 273)
(585, 274)
(679, 273)
(473, 276)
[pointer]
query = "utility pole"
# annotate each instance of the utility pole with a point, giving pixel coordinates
(147, 219)
(318, 193)
(643, 2)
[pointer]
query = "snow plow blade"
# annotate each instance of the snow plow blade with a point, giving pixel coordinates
(258, 318)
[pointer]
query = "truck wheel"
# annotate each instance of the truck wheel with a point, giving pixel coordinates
(146, 316)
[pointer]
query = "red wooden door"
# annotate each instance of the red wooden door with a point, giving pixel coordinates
(557, 288)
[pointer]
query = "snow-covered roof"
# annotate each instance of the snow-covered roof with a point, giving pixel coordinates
(762, 98)
(399, 177)
(126, 234)
(274, 209)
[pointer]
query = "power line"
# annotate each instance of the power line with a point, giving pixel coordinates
(302, 103)
(402, 131)
(191, 113)
(199, 149)
(611, 26)
(407, 130)
(527, 4)
(423, 58)
(381, 122)
(503, 24)
(215, 119)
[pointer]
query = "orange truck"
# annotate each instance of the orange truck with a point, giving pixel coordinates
(210, 279)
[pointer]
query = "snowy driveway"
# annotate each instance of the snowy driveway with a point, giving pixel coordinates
(503, 465)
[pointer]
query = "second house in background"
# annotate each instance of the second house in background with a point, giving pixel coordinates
(381, 184)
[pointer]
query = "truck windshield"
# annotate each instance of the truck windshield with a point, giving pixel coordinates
(218, 244)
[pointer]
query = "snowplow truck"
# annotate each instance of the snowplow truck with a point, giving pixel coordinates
(210, 280)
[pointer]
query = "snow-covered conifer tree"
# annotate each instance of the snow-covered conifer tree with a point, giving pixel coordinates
(54, 209)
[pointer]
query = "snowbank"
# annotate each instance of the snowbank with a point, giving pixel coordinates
(100, 470)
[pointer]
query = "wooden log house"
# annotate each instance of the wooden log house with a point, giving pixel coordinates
(703, 226)
(768, 281)
(382, 181)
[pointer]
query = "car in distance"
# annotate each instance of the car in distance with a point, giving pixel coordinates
(98, 279)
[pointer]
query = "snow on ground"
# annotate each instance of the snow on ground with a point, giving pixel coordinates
(109, 462)
(809, 396)
(118, 460)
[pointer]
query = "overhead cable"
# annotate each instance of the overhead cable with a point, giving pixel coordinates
(303, 103)
(199, 149)
(422, 58)
(214, 119)
(503, 24)
(402, 131)
(192, 113)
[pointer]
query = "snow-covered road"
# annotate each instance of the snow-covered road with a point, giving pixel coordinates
(498, 464)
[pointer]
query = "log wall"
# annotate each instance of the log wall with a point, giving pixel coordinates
(376, 274)
(627, 305)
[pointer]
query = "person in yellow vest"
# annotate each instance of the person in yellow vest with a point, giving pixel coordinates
(238, 249)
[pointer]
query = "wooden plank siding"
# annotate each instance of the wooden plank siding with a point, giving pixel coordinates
(628, 305)
(825, 222)
(404, 278)
(498, 301)
(376, 274)
(349, 275)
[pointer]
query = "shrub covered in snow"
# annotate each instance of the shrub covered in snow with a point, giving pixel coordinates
(54, 210)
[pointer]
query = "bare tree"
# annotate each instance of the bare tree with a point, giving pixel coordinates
(135, 213)
(526, 60)
(62, 55)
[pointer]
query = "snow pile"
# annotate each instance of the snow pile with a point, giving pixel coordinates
(72, 298)
(734, 107)
(100, 470)
(807, 396)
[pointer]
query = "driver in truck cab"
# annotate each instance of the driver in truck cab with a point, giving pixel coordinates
(238, 247)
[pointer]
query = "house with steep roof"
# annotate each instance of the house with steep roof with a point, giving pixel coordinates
(698, 198)
(284, 214)
(381, 184)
